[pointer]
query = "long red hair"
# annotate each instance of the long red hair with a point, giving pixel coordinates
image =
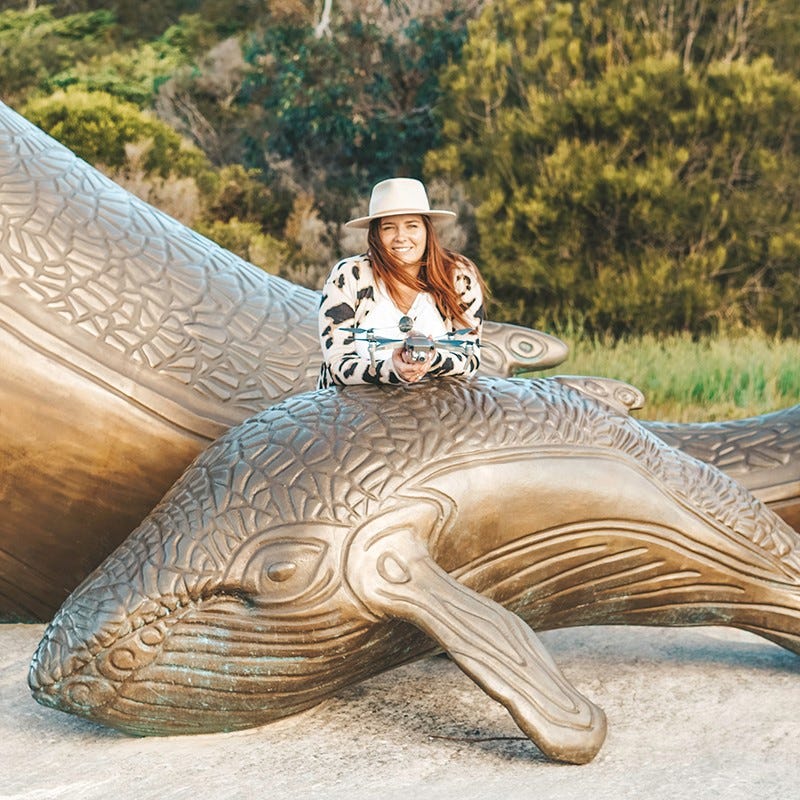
(435, 275)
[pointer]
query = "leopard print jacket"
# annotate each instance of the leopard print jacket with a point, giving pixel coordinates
(347, 297)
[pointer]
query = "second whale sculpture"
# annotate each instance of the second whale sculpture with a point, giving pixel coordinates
(344, 532)
(762, 453)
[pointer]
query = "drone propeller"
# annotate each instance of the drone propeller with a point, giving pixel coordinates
(370, 331)
(450, 339)
(383, 340)
(355, 330)
(371, 338)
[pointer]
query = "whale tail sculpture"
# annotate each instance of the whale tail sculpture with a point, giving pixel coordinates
(344, 532)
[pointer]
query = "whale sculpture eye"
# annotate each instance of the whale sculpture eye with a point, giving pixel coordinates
(281, 570)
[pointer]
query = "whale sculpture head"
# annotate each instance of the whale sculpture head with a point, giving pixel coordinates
(344, 532)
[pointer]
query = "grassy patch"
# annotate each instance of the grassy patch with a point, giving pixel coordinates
(726, 377)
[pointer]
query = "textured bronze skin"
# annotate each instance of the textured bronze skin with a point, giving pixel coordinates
(343, 532)
(762, 453)
(129, 343)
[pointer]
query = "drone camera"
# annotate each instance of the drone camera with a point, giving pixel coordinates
(419, 348)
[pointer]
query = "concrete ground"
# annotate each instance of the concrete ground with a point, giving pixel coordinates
(703, 713)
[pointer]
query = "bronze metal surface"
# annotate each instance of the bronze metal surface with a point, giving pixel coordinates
(762, 453)
(346, 531)
(342, 532)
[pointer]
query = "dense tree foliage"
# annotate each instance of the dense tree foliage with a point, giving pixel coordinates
(632, 171)
(320, 114)
(136, 72)
(98, 127)
(620, 165)
(141, 20)
(36, 44)
(347, 116)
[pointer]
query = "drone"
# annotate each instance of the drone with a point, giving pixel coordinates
(417, 346)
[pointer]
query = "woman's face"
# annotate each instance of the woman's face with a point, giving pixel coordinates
(404, 236)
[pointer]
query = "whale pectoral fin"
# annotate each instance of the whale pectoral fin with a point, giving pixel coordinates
(395, 576)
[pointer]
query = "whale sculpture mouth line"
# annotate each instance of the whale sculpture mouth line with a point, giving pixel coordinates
(103, 640)
(124, 672)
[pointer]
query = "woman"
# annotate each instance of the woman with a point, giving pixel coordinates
(405, 280)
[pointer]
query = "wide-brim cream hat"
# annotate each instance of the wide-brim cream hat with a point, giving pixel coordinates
(399, 196)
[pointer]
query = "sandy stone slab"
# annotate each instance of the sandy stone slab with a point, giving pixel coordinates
(692, 714)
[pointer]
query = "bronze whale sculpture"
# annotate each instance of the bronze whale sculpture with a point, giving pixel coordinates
(343, 532)
(129, 343)
(762, 453)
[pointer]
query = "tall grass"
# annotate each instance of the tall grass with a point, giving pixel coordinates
(726, 377)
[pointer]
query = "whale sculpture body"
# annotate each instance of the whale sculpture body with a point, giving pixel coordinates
(129, 343)
(762, 453)
(343, 532)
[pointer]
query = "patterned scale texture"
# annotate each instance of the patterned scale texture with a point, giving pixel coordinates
(84, 260)
(739, 447)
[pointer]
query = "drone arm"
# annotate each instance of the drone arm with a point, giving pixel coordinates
(459, 360)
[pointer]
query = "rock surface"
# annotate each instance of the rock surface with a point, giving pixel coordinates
(692, 714)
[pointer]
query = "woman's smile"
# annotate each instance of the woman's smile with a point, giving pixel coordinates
(404, 236)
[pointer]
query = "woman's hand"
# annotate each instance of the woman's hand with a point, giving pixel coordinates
(409, 369)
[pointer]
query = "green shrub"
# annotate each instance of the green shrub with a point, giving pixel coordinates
(97, 127)
(647, 181)
(35, 45)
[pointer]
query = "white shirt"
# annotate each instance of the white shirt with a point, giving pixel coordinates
(384, 320)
